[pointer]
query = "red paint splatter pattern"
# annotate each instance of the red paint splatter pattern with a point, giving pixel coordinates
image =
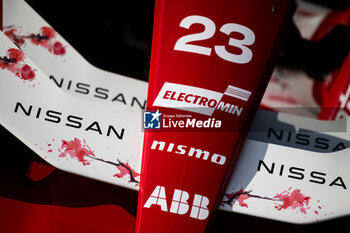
(13, 61)
(45, 38)
(12, 34)
(240, 197)
(293, 200)
(83, 153)
(125, 170)
(289, 199)
(76, 150)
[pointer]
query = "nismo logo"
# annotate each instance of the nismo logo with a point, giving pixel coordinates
(189, 151)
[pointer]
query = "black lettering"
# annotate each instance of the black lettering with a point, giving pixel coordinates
(27, 113)
(38, 113)
(339, 146)
(74, 121)
(134, 99)
(69, 84)
(322, 143)
(53, 116)
(119, 135)
(271, 130)
(317, 177)
(341, 182)
(101, 93)
(95, 127)
(281, 170)
(55, 81)
(120, 98)
(297, 173)
(82, 88)
(302, 139)
(289, 136)
(261, 162)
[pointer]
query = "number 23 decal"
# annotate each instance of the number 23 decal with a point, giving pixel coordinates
(182, 43)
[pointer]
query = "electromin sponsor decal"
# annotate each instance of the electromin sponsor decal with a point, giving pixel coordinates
(200, 100)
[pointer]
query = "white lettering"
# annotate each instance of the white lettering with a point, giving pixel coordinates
(191, 152)
(179, 204)
(199, 208)
(157, 198)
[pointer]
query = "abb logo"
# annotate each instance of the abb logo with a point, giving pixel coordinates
(179, 203)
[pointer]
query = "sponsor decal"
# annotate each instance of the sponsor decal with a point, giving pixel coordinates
(69, 120)
(200, 100)
(238, 93)
(98, 92)
(189, 151)
(300, 173)
(179, 203)
(306, 140)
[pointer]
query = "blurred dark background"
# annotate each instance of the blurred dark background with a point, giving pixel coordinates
(113, 35)
(116, 36)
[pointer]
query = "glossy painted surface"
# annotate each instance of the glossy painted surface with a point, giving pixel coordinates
(228, 62)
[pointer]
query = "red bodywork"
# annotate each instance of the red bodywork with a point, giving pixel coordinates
(333, 94)
(178, 191)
